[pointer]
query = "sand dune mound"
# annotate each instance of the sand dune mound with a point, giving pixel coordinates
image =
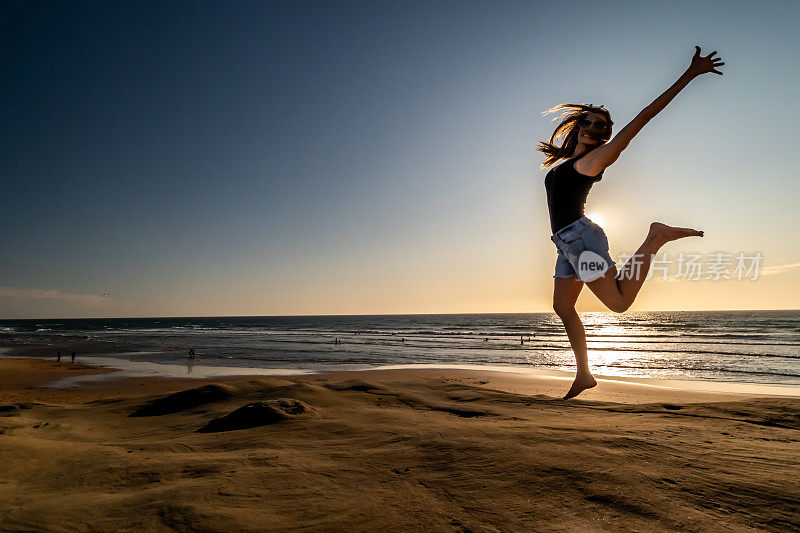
(768, 412)
(359, 385)
(426, 402)
(187, 399)
(260, 414)
(13, 410)
(465, 396)
(417, 401)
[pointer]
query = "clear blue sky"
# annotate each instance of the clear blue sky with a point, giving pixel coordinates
(218, 158)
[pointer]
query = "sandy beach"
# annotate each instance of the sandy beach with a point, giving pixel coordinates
(392, 450)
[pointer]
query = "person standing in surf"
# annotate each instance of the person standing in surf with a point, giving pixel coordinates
(582, 245)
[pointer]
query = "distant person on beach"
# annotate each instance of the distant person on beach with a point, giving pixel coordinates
(73, 356)
(191, 353)
(58, 357)
(582, 245)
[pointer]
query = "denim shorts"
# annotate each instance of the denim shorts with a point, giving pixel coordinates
(582, 251)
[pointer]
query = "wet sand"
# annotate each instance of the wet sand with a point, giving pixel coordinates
(391, 450)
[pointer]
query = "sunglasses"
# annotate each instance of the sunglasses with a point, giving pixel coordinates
(599, 125)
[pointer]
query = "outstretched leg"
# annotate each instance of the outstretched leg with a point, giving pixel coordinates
(618, 292)
(565, 294)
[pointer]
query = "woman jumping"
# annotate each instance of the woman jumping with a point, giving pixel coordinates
(582, 245)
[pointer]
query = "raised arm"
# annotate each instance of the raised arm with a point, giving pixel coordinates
(603, 156)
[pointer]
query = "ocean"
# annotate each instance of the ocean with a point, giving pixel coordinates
(733, 346)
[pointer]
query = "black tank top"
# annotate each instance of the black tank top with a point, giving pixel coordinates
(567, 190)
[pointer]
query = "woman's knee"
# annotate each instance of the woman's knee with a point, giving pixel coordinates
(607, 291)
(618, 306)
(615, 302)
(563, 309)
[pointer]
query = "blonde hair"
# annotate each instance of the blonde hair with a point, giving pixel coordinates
(568, 128)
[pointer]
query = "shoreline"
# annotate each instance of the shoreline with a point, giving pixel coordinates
(86, 377)
(124, 368)
(720, 352)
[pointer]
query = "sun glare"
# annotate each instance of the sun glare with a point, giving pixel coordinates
(597, 218)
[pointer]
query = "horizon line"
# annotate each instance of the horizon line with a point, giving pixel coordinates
(394, 314)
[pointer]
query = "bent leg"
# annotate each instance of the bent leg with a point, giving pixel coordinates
(618, 292)
(565, 294)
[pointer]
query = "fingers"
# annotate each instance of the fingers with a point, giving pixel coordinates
(709, 56)
(715, 61)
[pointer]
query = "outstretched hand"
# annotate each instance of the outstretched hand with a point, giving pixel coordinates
(701, 65)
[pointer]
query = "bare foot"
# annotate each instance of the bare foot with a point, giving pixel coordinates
(665, 233)
(580, 384)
